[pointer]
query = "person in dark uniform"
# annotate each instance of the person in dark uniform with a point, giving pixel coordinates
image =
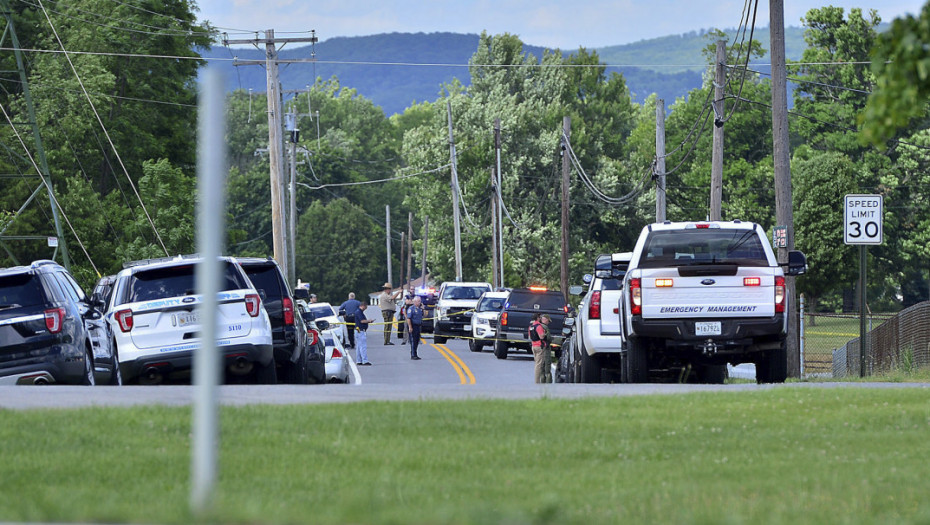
(348, 309)
(414, 323)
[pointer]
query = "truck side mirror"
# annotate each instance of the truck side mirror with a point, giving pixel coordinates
(575, 289)
(302, 293)
(797, 263)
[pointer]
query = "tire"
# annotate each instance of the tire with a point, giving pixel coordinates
(296, 373)
(265, 374)
(712, 374)
(563, 370)
(116, 375)
(439, 340)
(589, 369)
(474, 345)
(88, 378)
(773, 368)
(501, 349)
(637, 361)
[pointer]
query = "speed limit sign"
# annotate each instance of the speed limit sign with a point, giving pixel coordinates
(863, 219)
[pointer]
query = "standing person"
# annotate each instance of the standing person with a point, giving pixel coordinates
(408, 302)
(388, 303)
(414, 322)
(347, 310)
(361, 336)
(542, 354)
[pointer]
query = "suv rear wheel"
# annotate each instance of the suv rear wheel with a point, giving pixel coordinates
(265, 374)
(296, 373)
(590, 369)
(88, 379)
(116, 375)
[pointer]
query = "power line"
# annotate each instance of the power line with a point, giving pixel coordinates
(161, 32)
(364, 182)
(821, 84)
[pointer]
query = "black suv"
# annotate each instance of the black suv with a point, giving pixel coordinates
(298, 361)
(49, 331)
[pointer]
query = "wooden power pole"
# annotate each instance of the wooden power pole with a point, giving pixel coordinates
(499, 195)
(387, 229)
(410, 246)
(784, 215)
(275, 128)
(425, 239)
(455, 198)
(660, 160)
(716, 169)
(566, 171)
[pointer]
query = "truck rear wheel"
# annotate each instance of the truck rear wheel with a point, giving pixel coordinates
(773, 368)
(590, 370)
(712, 374)
(500, 349)
(637, 361)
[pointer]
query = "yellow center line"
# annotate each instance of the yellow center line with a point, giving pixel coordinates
(451, 361)
(471, 377)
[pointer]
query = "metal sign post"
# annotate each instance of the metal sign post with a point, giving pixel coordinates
(862, 226)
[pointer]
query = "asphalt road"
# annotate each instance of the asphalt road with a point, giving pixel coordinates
(447, 371)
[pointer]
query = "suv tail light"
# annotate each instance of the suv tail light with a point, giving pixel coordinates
(594, 309)
(636, 297)
(287, 305)
(779, 294)
(55, 319)
(504, 319)
(253, 305)
(124, 320)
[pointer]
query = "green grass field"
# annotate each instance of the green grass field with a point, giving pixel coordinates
(783, 455)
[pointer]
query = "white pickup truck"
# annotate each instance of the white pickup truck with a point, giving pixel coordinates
(699, 295)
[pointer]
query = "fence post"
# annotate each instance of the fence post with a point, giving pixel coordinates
(801, 324)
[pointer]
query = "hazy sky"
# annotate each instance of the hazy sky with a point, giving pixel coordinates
(565, 24)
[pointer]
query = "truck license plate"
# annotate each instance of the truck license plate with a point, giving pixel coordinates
(707, 328)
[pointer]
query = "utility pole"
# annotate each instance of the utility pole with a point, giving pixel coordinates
(275, 143)
(455, 199)
(387, 229)
(495, 278)
(293, 133)
(716, 169)
(660, 160)
(566, 171)
(410, 246)
(784, 214)
(403, 254)
(500, 196)
(425, 239)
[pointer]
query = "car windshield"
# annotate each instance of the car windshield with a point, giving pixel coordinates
(464, 292)
(176, 281)
(490, 304)
(322, 311)
(19, 290)
(670, 248)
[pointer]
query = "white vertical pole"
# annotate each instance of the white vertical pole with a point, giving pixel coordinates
(211, 214)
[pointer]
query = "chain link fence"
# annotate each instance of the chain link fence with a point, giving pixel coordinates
(830, 342)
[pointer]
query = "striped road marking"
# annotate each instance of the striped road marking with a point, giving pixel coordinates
(465, 375)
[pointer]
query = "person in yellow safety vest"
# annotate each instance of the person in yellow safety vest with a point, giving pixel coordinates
(542, 354)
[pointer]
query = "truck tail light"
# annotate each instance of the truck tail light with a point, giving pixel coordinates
(253, 304)
(124, 320)
(504, 319)
(664, 283)
(314, 336)
(752, 281)
(594, 309)
(636, 297)
(780, 294)
(287, 306)
(55, 319)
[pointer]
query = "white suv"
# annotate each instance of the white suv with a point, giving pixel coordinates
(156, 324)
(597, 344)
(484, 320)
(457, 302)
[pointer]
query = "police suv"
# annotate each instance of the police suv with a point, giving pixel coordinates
(156, 323)
(699, 295)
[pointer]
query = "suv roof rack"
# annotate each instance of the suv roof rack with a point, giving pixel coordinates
(143, 262)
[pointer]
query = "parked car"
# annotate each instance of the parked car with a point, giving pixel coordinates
(484, 320)
(315, 328)
(156, 323)
(326, 312)
(337, 359)
(49, 331)
(514, 323)
(295, 359)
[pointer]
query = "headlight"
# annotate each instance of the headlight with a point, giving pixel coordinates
(479, 320)
(442, 314)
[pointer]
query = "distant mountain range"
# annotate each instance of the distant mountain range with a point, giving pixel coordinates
(379, 66)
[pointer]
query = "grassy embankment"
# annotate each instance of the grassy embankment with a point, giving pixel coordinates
(784, 455)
